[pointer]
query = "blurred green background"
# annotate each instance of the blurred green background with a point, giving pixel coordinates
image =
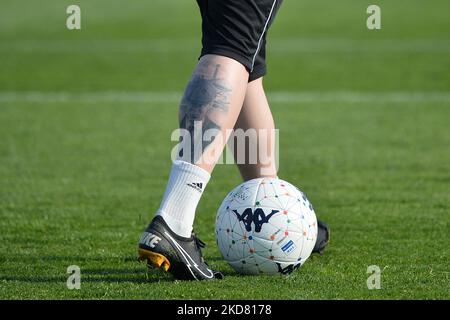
(142, 45)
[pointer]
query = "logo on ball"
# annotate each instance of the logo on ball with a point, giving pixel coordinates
(257, 217)
(288, 269)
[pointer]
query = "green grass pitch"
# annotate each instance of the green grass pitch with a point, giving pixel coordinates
(85, 124)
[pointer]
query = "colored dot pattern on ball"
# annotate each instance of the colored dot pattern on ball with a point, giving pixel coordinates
(241, 244)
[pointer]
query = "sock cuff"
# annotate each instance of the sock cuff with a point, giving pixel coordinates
(192, 169)
(176, 224)
(184, 190)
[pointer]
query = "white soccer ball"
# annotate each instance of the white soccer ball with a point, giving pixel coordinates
(266, 226)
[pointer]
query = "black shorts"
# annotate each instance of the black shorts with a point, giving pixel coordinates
(237, 29)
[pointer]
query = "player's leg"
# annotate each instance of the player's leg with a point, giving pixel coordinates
(210, 106)
(208, 111)
(255, 115)
(232, 37)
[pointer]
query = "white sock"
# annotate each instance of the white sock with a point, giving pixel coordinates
(183, 192)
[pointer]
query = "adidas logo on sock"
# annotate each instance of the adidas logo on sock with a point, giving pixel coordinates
(196, 185)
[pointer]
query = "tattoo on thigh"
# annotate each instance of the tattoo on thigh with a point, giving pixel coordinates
(205, 95)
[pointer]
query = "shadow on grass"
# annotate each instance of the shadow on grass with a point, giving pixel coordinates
(91, 273)
(68, 259)
(138, 274)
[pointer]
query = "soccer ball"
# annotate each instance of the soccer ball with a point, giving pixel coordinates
(266, 226)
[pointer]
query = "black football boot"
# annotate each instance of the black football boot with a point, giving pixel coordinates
(180, 256)
(323, 237)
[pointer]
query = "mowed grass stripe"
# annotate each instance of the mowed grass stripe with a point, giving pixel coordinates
(276, 45)
(274, 96)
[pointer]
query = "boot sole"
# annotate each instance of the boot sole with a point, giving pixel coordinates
(154, 259)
